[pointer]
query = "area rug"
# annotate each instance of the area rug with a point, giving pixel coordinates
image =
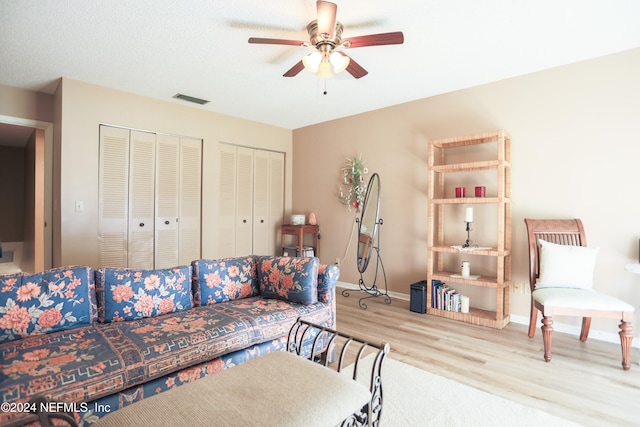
(413, 397)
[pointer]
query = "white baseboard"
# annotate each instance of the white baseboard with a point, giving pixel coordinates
(595, 334)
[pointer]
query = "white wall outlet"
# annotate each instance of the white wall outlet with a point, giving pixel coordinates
(79, 206)
(337, 261)
(521, 288)
(517, 287)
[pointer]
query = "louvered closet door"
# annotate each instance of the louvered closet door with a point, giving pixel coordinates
(261, 244)
(167, 188)
(141, 200)
(276, 201)
(190, 200)
(244, 202)
(226, 201)
(113, 190)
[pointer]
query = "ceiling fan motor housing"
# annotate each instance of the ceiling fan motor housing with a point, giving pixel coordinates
(319, 40)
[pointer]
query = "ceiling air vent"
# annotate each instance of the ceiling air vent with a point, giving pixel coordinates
(190, 99)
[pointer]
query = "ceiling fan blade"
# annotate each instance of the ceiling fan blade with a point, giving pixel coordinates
(293, 71)
(374, 40)
(260, 40)
(355, 69)
(327, 12)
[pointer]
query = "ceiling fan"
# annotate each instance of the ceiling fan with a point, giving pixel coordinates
(325, 34)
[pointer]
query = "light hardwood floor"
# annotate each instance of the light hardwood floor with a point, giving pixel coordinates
(584, 382)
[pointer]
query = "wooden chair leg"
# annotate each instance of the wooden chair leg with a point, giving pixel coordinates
(584, 332)
(547, 330)
(626, 339)
(533, 318)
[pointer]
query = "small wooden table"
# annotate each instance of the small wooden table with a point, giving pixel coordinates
(300, 231)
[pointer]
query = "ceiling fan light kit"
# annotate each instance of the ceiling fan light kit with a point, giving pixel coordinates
(325, 34)
(339, 61)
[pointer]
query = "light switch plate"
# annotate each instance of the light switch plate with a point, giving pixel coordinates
(79, 206)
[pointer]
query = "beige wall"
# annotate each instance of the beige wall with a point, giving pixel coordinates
(575, 153)
(35, 110)
(26, 104)
(84, 107)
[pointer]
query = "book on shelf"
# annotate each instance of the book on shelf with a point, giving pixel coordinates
(434, 292)
(443, 297)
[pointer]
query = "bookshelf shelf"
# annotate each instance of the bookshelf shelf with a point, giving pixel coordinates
(484, 281)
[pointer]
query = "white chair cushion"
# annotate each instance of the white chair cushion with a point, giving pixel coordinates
(581, 299)
(566, 266)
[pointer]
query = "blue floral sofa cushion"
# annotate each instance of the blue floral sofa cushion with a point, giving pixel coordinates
(327, 277)
(129, 294)
(216, 281)
(54, 300)
(292, 279)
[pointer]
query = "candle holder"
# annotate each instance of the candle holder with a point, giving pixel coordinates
(468, 229)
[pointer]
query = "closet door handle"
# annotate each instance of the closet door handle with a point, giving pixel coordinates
(262, 221)
(167, 222)
(244, 221)
(142, 224)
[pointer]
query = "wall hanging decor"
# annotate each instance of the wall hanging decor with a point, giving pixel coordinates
(353, 186)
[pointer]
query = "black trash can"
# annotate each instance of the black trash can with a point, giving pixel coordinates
(418, 297)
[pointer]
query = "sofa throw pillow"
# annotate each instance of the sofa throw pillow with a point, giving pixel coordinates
(129, 294)
(53, 300)
(289, 278)
(327, 278)
(221, 280)
(566, 266)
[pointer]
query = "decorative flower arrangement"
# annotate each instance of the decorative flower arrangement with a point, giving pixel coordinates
(353, 187)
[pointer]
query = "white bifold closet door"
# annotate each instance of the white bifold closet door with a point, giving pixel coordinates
(268, 201)
(251, 200)
(141, 233)
(150, 199)
(190, 200)
(113, 196)
(244, 202)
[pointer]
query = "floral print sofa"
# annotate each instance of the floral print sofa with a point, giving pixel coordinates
(104, 339)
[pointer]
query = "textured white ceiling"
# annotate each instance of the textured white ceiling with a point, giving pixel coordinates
(158, 48)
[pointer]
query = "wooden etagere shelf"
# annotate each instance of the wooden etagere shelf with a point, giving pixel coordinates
(439, 251)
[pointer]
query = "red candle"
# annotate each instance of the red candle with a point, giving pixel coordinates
(459, 191)
(481, 191)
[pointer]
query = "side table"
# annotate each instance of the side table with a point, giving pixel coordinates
(300, 231)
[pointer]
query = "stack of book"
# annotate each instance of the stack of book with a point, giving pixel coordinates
(444, 297)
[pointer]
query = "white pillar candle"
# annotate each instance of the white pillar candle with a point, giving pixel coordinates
(466, 269)
(464, 304)
(468, 217)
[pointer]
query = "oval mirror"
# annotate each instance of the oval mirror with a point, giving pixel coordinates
(368, 223)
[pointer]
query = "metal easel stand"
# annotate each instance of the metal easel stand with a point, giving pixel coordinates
(373, 291)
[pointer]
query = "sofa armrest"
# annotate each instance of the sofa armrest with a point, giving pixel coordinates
(327, 279)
